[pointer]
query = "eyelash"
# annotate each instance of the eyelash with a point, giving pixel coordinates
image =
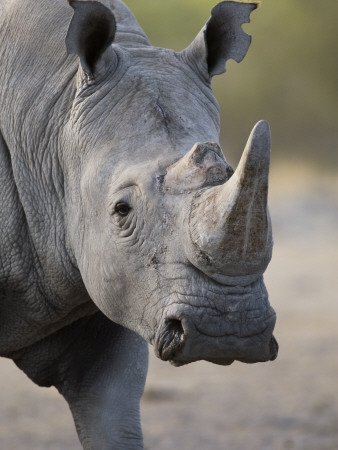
(122, 209)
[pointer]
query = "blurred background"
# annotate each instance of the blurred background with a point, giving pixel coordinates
(289, 78)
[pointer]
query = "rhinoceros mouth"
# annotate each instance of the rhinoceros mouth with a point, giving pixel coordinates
(274, 347)
(178, 359)
(218, 361)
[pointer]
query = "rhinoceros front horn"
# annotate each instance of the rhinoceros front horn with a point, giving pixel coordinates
(230, 229)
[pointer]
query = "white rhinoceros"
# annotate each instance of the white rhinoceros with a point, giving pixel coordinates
(121, 221)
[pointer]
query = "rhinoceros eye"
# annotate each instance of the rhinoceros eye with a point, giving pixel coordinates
(122, 209)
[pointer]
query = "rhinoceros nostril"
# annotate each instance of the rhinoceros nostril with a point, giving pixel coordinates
(171, 339)
(175, 326)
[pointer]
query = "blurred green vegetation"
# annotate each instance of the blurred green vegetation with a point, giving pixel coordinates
(289, 76)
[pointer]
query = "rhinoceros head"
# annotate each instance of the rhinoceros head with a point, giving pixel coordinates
(170, 241)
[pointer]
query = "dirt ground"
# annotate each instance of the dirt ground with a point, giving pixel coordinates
(291, 403)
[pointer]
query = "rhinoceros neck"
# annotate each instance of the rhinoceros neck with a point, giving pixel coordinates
(38, 277)
(40, 287)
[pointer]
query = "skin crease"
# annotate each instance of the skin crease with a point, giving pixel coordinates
(73, 146)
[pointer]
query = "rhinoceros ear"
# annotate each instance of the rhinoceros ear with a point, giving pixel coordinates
(90, 33)
(222, 38)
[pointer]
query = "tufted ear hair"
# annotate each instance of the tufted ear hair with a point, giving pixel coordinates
(222, 37)
(90, 33)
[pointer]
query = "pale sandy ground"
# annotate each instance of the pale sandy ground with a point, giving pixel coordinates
(291, 403)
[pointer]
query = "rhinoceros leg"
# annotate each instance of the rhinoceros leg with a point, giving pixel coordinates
(100, 369)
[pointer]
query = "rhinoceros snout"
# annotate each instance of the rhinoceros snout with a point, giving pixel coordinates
(180, 341)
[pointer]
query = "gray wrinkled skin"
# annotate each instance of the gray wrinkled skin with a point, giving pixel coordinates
(106, 215)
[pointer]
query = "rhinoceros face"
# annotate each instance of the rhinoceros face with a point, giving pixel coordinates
(172, 243)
